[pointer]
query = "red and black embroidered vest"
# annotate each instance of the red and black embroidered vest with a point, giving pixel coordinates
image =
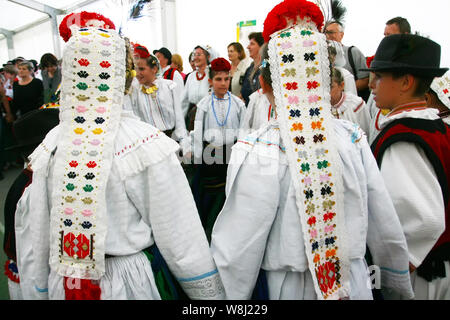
(169, 74)
(433, 136)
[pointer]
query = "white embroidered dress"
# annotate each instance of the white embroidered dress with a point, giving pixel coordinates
(259, 226)
(148, 201)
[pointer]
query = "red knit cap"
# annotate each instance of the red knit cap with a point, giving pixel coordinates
(220, 64)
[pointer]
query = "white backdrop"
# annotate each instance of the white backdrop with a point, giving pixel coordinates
(214, 22)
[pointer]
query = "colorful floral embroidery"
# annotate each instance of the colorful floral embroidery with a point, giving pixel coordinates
(69, 199)
(73, 164)
(72, 175)
(80, 119)
(316, 125)
(70, 187)
(293, 100)
(82, 97)
(89, 176)
(102, 99)
(97, 131)
(88, 188)
(299, 140)
(86, 224)
(87, 200)
(86, 212)
(91, 164)
(288, 58)
(290, 72)
(305, 167)
(67, 222)
(83, 62)
(81, 109)
(310, 56)
(83, 74)
(295, 113)
(291, 86)
(105, 64)
(99, 120)
(79, 130)
(311, 71)
(103, 87)
(104, 76)
(314, 112)
(297, 127)
(82, 86)
(312, 85)
(322, 164)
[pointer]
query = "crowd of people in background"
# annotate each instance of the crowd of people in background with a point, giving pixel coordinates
(27, 85)
(210, 103)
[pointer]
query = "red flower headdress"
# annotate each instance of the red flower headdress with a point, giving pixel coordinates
(82, 19)
(220, 64)
(277, 19)
(140, 51)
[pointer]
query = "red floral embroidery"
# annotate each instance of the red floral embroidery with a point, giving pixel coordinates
(312, 221)
(326, 276)
(91, 164)
(105, 64)
(446, 91)
(83, 62)
(73, 164)
(328, 216)
(292, 86)
(312, 85)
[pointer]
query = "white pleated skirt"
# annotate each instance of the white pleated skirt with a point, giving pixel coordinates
(126, 278)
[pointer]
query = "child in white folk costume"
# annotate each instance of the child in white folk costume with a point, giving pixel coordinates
(156, 101)
(304, 195)
(216, 130)
(346, 105)
(413, 153)
(112, 208)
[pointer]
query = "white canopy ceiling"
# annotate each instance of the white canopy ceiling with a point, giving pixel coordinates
(18, 15)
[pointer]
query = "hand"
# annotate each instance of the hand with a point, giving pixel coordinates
(412, 268)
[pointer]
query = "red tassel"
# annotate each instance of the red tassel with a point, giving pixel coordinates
(81, 289)
(290, 10)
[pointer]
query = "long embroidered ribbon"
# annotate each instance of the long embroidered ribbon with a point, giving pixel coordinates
(92, 92)
(301, 82)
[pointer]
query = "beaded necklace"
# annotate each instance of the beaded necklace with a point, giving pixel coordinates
(214, 110)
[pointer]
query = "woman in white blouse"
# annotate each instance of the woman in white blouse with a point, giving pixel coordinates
(155, 101)
(239, 63)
